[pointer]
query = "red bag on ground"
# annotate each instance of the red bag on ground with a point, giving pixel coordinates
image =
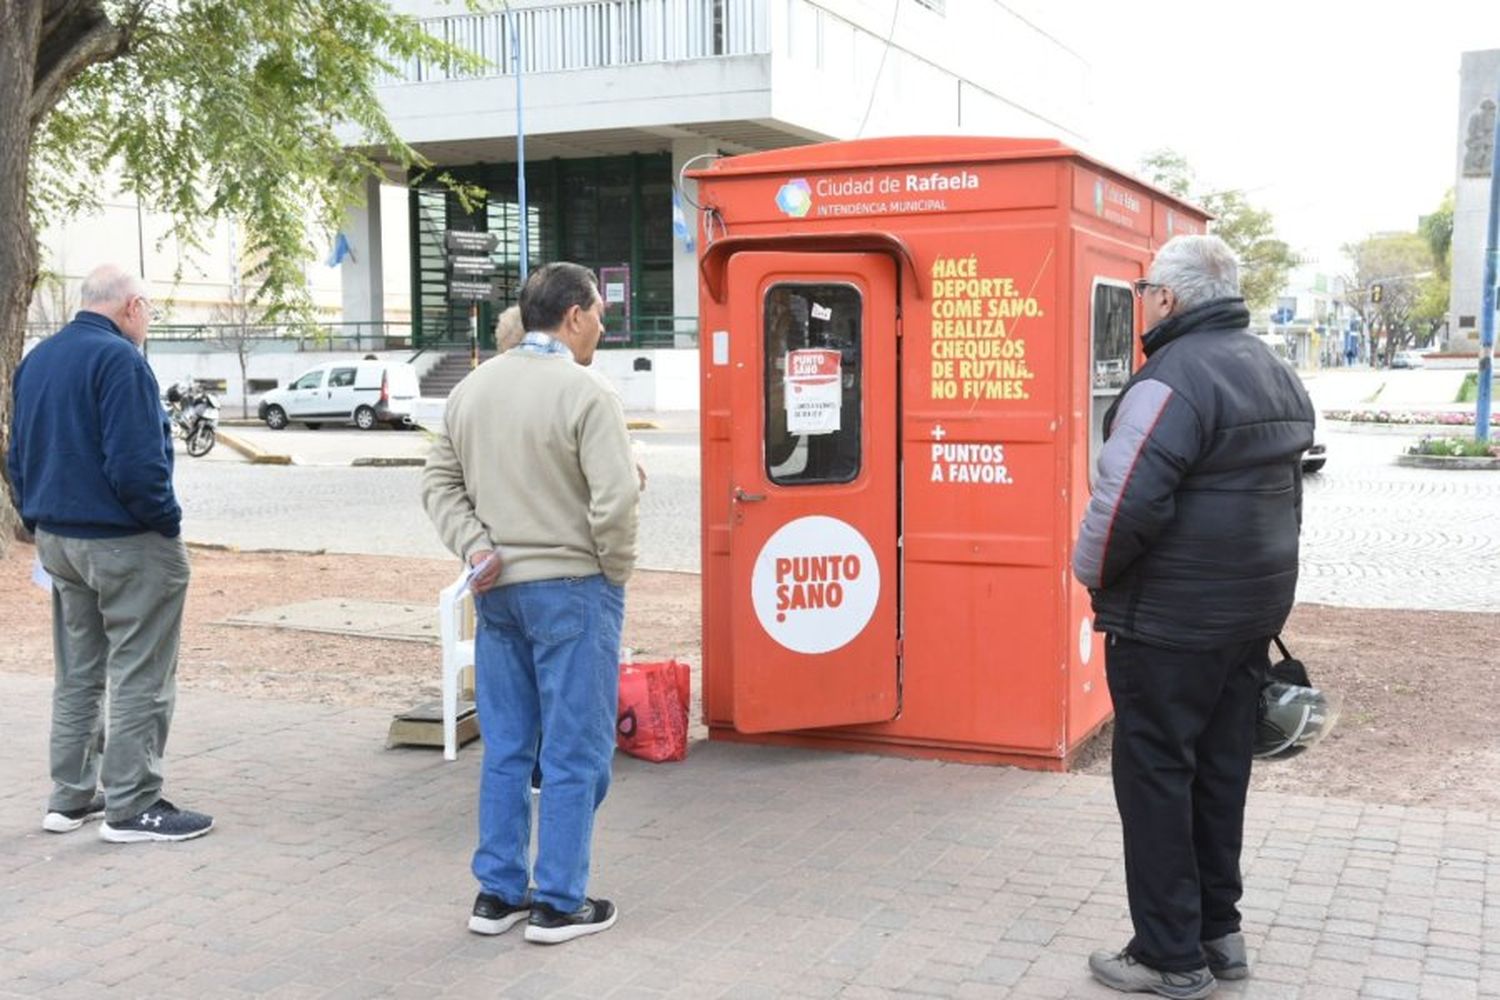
(653, 716)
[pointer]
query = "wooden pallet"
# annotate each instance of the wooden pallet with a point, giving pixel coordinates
(423, 725)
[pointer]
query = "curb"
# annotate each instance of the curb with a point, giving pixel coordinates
(1409, 430)
(251, 453)
(380, 462)
(1463, 462)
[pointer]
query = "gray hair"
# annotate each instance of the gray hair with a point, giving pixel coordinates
(1198, 269)
(108, 285)
(508, 329)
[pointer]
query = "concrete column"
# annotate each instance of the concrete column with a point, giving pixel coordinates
(685, 263)
(362, 273)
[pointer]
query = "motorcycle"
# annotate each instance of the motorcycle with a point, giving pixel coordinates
(195, 417)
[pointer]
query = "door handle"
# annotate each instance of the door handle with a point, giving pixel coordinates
(744, 497)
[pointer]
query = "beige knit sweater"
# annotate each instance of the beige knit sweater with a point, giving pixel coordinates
(534, 460)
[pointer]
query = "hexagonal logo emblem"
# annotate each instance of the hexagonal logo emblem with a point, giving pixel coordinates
(795, 198)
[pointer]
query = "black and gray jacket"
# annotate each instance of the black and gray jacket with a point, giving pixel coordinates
(1190, 539)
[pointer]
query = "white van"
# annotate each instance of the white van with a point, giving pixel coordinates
(365, 393)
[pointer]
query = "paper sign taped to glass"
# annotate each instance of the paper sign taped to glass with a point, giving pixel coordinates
(814, 391)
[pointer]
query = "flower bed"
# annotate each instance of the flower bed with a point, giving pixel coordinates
(1445, 418)
(1455, 447)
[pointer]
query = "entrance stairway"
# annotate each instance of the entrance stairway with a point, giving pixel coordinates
(443, 376)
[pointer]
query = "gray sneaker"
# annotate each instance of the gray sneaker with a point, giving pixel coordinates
(1119, 971)
(1226, 956)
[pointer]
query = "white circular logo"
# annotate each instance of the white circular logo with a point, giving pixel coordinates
(815, 584)
(1086, 639)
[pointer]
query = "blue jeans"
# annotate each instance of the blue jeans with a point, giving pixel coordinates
(547, 666)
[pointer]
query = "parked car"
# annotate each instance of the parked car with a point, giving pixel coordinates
(365, 393)
(1314, 458)
(1406, 359)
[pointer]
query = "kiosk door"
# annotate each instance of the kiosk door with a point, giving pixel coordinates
(814, 515)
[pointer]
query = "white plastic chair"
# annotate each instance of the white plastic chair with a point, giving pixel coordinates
(456, 628)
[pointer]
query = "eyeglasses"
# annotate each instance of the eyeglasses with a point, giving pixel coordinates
(1141, 284)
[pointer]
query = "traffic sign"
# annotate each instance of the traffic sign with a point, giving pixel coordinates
(474, 291)
(467, 241)
(471, 267)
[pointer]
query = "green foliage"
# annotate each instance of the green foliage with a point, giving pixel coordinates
(243, 109)
(1265, 261)
(1455, 447)
(1402, 264)
(1437, 230)
(1168, 170)
(1469, 391)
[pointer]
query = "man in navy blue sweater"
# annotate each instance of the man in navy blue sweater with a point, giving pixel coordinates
(90, 465)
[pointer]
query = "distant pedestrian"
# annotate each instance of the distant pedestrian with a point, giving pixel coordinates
(1189, 549)
(533, 483)
(509, 329)
(90, 463)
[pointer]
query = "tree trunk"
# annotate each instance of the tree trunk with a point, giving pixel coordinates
(20, 25)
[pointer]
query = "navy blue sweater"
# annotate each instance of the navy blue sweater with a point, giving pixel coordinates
(90, 444)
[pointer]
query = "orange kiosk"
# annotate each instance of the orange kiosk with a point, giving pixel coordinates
(908, 346)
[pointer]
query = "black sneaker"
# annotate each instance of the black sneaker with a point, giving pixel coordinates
(493, 915)
(551, 926)
(68, 820)
(162, 821)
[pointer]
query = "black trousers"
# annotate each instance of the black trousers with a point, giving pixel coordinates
(1184, 728)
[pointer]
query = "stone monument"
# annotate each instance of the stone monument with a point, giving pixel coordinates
(1479, 83)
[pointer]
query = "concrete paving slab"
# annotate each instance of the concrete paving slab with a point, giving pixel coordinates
(348, 616)
(338, 868)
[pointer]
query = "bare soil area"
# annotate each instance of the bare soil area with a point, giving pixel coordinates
(1420, 689)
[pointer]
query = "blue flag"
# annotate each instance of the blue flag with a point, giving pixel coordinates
(679, 223)
(341, 249)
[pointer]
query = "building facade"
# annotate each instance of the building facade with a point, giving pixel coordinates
(619, 96)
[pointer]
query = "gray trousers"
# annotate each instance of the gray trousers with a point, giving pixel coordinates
(116, 620)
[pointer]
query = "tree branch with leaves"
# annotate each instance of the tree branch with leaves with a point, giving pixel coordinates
(208, 110)
(1265, 260)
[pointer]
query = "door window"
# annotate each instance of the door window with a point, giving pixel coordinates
(340, 378)
(812, 382)
(310, 380)
(1113, 326)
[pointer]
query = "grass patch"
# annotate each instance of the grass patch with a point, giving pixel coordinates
(1469, 391)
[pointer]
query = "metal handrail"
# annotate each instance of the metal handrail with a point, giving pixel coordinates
(647, 332)
(591, 34)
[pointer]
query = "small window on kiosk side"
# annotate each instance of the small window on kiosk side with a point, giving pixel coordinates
(1113, 326)
(814, 342)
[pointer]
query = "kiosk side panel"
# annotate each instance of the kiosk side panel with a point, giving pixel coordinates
(981, 366)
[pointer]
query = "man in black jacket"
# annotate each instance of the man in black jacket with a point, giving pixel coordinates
(1189, 549)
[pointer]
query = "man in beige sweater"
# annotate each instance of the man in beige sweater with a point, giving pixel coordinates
(533, 484)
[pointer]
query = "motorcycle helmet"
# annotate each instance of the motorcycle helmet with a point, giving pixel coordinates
(1291, 718)
(174, 393)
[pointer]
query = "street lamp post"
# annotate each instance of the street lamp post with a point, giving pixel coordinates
(1487, 321)
(515, 54)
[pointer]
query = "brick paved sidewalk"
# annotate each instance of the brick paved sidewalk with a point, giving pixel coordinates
(339, 869)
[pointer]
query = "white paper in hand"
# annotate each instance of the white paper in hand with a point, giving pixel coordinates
(475, 571)
(39, 576)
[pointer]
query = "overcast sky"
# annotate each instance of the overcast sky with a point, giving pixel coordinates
(1339, 117)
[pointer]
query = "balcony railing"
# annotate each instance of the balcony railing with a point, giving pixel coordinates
(595, 34)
